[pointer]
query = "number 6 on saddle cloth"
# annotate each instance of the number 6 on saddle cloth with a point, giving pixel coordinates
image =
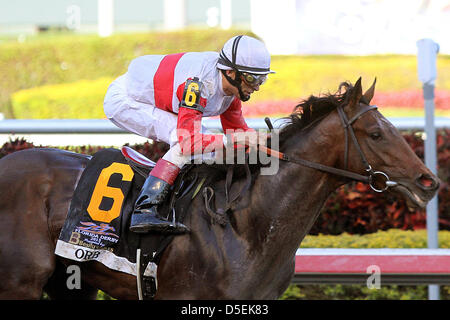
(96, 227)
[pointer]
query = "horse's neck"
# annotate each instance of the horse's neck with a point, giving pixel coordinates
(285, 205)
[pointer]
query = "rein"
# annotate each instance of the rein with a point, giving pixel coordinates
(347, 125)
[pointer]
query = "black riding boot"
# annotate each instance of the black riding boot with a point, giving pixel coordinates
(145, 217)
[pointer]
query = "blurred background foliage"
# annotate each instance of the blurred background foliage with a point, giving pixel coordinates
(69, 58)
(66, 76)
(392, 238)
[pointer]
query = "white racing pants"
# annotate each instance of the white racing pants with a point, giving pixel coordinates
(145, 120)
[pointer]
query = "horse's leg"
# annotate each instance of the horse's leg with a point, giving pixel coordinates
(26, 250)
(118, 285)
(35, 191)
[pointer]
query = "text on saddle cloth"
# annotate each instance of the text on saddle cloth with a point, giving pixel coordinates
(96, 227)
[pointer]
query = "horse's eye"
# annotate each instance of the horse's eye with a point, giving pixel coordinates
(375, 135)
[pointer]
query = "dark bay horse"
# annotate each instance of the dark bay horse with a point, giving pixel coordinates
(251, 257)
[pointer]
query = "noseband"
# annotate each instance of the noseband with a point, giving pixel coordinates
(347, 125)
(348, 129)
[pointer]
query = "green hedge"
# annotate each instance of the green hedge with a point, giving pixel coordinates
(82, 99)
(74, 59)
(392, 238)
(360, 292)
(69, 58)
(296, 77)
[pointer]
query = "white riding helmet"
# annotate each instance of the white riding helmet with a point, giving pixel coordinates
(245, 54)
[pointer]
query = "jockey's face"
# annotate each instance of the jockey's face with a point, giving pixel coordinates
(229, 89)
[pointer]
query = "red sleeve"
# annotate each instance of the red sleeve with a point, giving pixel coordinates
(232, 118)
(189, 126)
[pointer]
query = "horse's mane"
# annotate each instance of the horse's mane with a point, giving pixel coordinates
(314, 108)
(307, 112)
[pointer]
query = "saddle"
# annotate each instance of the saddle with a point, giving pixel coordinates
(231, 191)
(97, 224)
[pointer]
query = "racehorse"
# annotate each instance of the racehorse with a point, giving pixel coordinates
(252, 256)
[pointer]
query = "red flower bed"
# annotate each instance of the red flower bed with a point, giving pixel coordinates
(268, 108)
(411, 99)
(407, 99)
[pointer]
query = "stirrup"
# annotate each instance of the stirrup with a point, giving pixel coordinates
(147, 220)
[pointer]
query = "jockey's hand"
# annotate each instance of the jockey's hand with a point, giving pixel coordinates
(250, 139)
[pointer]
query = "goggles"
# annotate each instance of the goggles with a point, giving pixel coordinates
(254, 79)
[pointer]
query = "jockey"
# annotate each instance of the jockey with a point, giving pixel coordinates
(164, 97)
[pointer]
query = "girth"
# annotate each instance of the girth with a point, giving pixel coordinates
(232, 194)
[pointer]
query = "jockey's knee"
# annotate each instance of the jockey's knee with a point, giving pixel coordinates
(176, 156)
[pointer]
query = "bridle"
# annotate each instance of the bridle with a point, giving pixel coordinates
(348, 129)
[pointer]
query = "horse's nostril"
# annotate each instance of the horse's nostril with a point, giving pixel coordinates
(427, 182)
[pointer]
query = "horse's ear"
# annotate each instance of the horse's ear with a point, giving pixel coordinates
(357, 93)
(368, 95)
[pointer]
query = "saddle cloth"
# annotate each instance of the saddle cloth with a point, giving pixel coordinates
(98, 219)
(99, 215)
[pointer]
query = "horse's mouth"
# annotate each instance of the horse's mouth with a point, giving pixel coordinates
(413, 199)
